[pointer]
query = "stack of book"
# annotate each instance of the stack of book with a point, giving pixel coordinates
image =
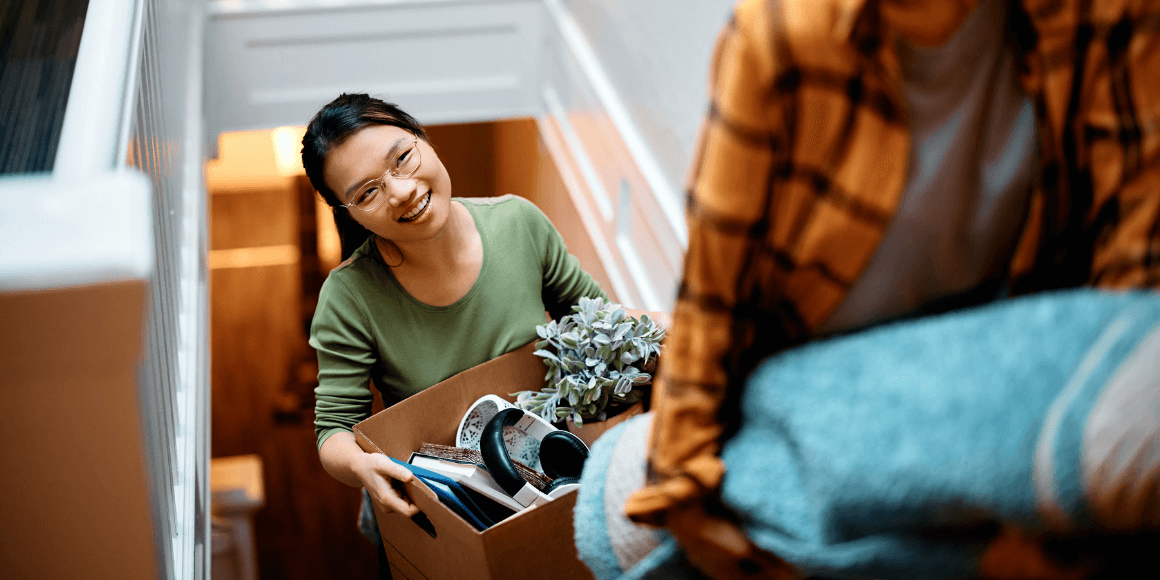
(488, 504)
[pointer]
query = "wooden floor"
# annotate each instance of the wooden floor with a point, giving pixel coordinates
(308, 529)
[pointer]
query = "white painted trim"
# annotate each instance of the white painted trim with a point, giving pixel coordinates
(395, 89)
(132, 85)
(90, 134)
(551, 133)
(252, 8)
(193, 325)
(275, 67)
(54, 234)
(636, 269)
(576, 151)
(599, 81)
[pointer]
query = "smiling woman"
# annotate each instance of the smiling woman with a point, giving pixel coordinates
(431, 285)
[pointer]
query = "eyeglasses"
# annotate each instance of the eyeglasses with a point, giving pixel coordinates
(371, 194)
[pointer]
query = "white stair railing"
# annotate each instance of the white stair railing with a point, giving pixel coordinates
(135, 105)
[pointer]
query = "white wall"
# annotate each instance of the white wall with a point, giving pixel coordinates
(447, 61)
(656, 53)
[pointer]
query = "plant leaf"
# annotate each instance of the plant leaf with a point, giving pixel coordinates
(547, 354)
(619, 315)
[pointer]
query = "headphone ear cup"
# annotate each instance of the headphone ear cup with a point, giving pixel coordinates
(561, 481)
(495, 453)
(562, 454)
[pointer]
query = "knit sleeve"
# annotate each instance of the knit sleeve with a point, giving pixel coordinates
(346, 352)
(564, 281)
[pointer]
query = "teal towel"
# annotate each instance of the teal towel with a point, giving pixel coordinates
(895, 452)
(589, 520)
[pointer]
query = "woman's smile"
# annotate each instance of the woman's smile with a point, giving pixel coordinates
(412, 208)
(417, 210)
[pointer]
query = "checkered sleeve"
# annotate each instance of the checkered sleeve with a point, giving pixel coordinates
(1123, 129)
(727, 204)
(1095, 219)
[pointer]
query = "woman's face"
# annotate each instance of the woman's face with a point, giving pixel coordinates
(413, 208)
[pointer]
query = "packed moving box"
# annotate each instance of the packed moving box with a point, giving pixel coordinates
(533, 544)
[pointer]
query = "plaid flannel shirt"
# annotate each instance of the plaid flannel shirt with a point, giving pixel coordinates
(801, 165)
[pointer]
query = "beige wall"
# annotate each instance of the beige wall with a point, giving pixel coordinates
(502, 157)
(523, 167)
(72, 477)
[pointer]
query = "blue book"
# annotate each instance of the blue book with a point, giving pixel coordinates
(452, 495)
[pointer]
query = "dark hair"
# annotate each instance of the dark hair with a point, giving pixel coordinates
(336, 121)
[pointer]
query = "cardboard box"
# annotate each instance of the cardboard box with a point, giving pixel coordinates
(533, 544)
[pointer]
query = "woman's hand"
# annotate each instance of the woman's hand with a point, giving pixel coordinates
(383, 479)
(663, 319)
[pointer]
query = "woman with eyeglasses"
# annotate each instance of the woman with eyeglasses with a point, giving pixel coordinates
(430, 285)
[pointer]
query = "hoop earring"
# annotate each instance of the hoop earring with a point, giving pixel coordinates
(397, 250)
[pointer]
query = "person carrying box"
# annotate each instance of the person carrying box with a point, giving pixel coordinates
(431, 285)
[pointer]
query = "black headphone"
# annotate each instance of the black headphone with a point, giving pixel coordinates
(562, 456)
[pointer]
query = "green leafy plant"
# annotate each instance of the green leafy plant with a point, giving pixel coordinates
(598, 357)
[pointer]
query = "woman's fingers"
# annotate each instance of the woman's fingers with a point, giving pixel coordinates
(386, 485)
(391, 497)
(391, 469)
(663, 319)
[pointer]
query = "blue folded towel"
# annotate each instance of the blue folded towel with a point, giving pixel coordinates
(895, 451)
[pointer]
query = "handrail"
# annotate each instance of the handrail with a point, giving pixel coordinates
(54, 235)
(93, 134)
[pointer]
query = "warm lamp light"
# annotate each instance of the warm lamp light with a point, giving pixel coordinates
(288, 150)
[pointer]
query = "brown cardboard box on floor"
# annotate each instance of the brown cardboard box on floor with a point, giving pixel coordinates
(533, 544)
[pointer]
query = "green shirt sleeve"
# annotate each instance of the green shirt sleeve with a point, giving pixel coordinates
(340, 335)
(565, 282)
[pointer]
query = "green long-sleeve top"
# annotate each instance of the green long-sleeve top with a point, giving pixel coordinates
(367, 327)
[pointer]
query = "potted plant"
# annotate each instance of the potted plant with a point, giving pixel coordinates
(599, 360)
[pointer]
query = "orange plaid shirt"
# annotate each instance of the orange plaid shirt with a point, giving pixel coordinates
(800, 167)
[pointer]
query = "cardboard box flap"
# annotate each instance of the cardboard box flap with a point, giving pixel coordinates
(424, 417)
